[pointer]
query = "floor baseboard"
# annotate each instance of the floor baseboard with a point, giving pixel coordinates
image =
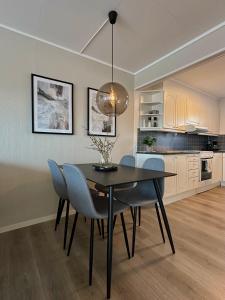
(32, 222)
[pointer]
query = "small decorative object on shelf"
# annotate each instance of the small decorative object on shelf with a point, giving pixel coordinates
(104, 146)
(149, 141)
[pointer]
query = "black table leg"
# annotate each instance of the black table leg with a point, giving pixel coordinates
(159, 220)
(158, 193)
(110, 242)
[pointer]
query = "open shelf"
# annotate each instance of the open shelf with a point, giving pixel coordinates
(152, 103)
(150, 115)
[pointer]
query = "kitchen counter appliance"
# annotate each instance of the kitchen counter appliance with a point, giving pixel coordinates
(206, 160)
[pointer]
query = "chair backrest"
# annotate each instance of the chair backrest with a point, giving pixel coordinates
(128, 160)
(79, 192)
(58, 179)
(147, 187)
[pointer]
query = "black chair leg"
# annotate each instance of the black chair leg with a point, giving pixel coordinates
(72, 233)
(125, 234)
(139, 215)
(132, 213)
(58, 213)
(134, 230)
(165, 220)
(61, 210)
(160, 223)
(99, 227)
(103, 230)
(66, 223)
(91, 251)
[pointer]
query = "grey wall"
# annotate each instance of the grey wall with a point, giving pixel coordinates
(25, 187)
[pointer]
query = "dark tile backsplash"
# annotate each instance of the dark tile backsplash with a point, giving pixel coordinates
(221, 142)
(178, 141)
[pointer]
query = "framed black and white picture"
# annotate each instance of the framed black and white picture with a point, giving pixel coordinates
(99, 124)
(52, 105)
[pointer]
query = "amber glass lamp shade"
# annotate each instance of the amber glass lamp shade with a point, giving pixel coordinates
(112, 99)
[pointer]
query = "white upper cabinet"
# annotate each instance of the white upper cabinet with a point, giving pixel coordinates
(169, 110)
(222, 116)
(193, 111)
(175, 110)
(181, 110)
(183, 105)
(176, 105)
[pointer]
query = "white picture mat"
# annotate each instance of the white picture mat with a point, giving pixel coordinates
(96, 118)
(68, 86)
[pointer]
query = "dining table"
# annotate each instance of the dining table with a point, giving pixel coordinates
(124, 175)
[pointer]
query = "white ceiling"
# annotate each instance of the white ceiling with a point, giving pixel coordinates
(146, 29)
(209, 76)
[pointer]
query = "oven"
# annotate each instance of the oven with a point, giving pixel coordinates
(206, 159)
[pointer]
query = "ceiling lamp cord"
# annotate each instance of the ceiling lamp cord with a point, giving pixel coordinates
(112, 53)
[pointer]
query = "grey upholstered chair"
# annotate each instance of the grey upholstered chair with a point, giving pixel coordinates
(59, 184)
(144, 194)
(126, 160)
(90, 205)
(129, 161)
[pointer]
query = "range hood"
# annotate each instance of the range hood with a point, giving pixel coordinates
(193, 129)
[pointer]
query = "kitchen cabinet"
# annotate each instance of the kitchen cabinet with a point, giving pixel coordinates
(186, 166)
(213, 118)
(151, 110)
(182, 173)
(193, 166)
(174, 110)
(222, 114)
(184, 105)
(176, 106)
(193, 111)
(181, 110)
(217, 167)
(170, 182)
(169, 110)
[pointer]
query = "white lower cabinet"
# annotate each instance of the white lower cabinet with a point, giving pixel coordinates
(182, 173)
(170, 182)
(217, 167)
(186, 166)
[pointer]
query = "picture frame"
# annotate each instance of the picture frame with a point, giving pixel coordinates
(52, 105)
(98, 124)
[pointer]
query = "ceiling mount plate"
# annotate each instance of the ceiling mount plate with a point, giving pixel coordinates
(112, 16)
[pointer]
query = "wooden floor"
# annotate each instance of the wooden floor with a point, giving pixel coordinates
(34, 266)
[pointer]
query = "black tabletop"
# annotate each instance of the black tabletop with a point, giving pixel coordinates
(122, 175)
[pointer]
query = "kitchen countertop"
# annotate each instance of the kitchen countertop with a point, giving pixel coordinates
(219, 151)
(169, 152)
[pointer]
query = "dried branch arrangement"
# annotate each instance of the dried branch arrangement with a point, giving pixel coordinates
(104, 146)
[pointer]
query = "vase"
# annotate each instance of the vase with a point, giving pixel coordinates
(105, 158)
(149, 148)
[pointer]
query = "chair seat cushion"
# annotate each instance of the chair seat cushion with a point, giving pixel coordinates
(101, 206)
(135, 198)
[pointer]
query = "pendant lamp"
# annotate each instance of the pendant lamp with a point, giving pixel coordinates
(112, 98)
